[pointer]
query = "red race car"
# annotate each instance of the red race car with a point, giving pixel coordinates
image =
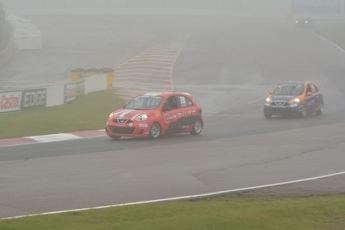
(154, 114)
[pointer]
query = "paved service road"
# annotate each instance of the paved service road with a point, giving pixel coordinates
(229, 65)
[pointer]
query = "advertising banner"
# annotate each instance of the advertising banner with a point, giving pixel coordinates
(74, 90)
(316, 6)
(34, 98)
(10, 101)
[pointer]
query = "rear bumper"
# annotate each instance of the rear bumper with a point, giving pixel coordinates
(303, 25)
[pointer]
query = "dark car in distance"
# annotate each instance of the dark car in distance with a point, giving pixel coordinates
(305, 22)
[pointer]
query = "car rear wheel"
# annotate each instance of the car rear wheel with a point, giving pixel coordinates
(267, 115)
(320, 110)
(304, 111)
(155, 131)
(197, 127)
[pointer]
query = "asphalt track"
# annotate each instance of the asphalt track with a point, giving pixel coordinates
(229, 65)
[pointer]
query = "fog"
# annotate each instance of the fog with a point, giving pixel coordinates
(228, 54)
(220, 47)
(96, 34)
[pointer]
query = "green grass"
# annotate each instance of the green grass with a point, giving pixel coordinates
(334, 34)
(252, 212)
(89, 112)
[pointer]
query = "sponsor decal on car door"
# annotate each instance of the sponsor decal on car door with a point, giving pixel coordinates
(188, 110)
(171, 120)
(317, 96)
(180, 118)
(310, 99)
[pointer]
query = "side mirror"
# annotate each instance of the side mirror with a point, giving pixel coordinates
(309, 94)
(166, 108)
(271, 92)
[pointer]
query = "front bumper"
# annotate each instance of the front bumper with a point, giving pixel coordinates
(285, 110)
(135, 129)
(303, 25)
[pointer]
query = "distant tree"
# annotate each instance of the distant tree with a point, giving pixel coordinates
(2, 15)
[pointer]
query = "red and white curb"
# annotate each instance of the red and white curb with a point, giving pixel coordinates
(51, 138)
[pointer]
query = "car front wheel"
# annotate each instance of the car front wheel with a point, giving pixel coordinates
(320, 110)
(155, 131)
(303, 111)
(267, 115)
(197, 127)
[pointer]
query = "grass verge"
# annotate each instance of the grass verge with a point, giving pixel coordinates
(89, 112)
(266, 212)
(334, 34)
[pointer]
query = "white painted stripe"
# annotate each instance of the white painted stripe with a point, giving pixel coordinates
(184, 197)
(341, 49)
(54, 137)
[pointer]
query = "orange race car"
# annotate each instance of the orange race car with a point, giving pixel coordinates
(154, 114)
(294, 98)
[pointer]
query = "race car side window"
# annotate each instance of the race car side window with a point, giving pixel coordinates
(189, 102)
(315, 89)
(171, 102)
(184, 101)
(309, 89)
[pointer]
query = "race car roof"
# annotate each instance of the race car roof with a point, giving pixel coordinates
(163, 93)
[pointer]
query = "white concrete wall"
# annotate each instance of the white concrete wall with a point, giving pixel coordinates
(55, 95)
(95, 83)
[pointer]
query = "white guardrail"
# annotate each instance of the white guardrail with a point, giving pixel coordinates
(20, 100)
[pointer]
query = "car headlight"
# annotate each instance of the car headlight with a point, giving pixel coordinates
(142, 117)
(268, 99)
(111, 116)
(296, 100)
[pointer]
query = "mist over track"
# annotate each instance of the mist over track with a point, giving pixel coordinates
(229, 65)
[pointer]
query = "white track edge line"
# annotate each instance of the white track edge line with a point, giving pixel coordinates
(181, 197)
(326, 39)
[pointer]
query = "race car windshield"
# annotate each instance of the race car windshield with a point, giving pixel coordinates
(144, 103)
(289, 89)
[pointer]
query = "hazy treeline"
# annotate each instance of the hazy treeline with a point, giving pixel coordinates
(2, 16)
(199, 4)
(2, 26)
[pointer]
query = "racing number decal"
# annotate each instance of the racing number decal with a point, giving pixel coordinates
(183, 101)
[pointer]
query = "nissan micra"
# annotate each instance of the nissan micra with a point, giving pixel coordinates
(154, 114)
